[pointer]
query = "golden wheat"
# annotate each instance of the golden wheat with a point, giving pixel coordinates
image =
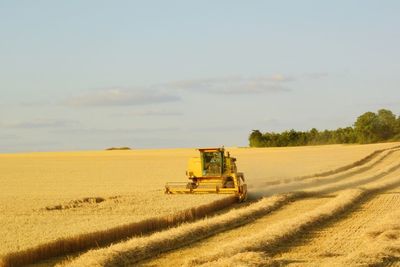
(49, 208)
(139, 249)
(382, 162)
(382, 244)
(357, 163)
(73, 244)
(283, 231)
(343, 169)
(245, 259)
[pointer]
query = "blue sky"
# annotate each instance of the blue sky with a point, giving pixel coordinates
(78, 75)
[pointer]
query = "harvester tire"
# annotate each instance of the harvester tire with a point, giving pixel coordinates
(191, 186)
(229, 184)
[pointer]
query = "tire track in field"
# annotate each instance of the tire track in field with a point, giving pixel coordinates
(385, 159)
(359, 163)
(381, 246)
(384, 154)
(287, 212)
(179, 257)
(297, 204)
(275, 236)
(344, 235)
(290, 211)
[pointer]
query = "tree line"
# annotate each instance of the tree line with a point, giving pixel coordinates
(370, 127)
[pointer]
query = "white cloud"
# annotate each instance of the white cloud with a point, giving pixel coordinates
(150, 113)
(169, 92)
(38, 123)
(121, 97)
(235, 84)
(117, 131)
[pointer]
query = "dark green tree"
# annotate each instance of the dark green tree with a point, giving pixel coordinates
(313, 136)
(398, 125)
(387, 124)
(370, 127)
(367, 128)
(256, 139)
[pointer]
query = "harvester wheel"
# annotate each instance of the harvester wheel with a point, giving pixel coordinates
(243, 193)
(229, 184)
(191, 185)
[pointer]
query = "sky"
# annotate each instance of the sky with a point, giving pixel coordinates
(85, 75)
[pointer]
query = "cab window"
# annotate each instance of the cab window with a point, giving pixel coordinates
(212, 163)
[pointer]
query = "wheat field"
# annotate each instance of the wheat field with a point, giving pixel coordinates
(308, 205)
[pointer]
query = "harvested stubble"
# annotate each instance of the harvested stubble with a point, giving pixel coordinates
(137, 249)
(356, 182)
(44, 209)
(286, 230)
(64, 246)
(134, 175)
(383, 244)
(363, 174)
(246, 259)
(350, 169)
(360, 162)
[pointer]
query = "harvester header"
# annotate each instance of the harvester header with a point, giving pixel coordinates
(214, 171)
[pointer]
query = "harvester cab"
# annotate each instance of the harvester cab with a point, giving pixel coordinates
(214, 171)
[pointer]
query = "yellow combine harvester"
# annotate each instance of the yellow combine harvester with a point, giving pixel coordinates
(212, 172)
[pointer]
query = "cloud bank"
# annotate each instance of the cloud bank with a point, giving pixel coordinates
(38, 123)
(234, 85)
(170, 92)
(151, 113)
(121, 97)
